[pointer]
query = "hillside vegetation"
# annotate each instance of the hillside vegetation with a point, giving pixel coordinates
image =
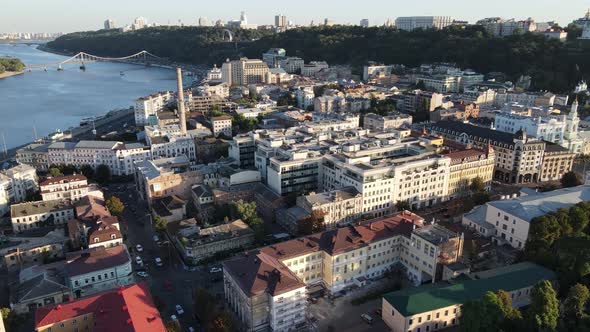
(553, 65)
(11, 64)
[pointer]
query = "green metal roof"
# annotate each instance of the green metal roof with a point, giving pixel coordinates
(412, 301)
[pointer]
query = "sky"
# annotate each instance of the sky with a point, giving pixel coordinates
(81, 15)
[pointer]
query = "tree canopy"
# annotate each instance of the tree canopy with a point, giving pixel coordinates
(553, 65)
(570, 179)
(115, 206)
(544, 309)
(11, 64)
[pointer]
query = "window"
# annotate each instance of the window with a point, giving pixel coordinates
(446, 312)
(411, 322)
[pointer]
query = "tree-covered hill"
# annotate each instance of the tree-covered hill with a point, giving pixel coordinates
(11, 64)
(554, 65)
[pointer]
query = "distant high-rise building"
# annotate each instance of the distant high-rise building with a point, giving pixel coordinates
(410, 23)
(328, 22)
(139, 23)
(243, 18)
(388, 23)
(365, 22)
(280, 21)
(109, 24)
(204, 22)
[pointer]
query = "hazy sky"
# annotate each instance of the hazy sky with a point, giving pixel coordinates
(71, 15)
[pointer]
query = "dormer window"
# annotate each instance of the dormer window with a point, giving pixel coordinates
(96, 240)
(113, 236)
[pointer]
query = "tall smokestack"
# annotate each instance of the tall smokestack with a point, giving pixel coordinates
(181, 101)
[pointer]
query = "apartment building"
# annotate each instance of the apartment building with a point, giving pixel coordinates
(32, 215)
(117, 156)
(441, 83)
(371, 71)
(467, 165)
(244, 71)
(127, 309)
(410, 23)
(196, 244)
(314, 67)
(217, 89)
(305, 97)
(518, 157)
(19, 251)
(221, 125)
(562, 130)
(376, 122)
(166, 177)
(335, 259)
(151, 105)
(98, 269)
(242, 148)
(205, 103)
(420, 101)
(437, 307)
(337, 207)
(557, 160)
(330, 103)
(16, 183)
(34, 155)
(507, 221)
(169, 142)
(72, 187)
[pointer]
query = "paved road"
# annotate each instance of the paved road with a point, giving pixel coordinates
(183, 282)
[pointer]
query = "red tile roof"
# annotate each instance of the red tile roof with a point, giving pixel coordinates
(95, 259)
(262, 270)
(126, 310)
(63, 179)
(91, 208)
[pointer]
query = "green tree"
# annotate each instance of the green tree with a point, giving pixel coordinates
(402, 205)
(477, 185)
(570, 179)
(115, 206)
(483, 315)
(578, 219)
(505, 302)
(574, 305)
(246, 210)
(103, 174)
(55, 172)
(87, 171)
(159, 224)
(543, 312)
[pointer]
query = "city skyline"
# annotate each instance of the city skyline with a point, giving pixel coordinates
(93, 15)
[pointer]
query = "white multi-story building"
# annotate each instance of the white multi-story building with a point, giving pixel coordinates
(371, 71)
(72, 187)
(169, 141)
(423, 22)
(117, 156)
(337, 207)
(441, 83)
(330, 103)
(15, 184)
(266, 287)
(221, 125)
(562, 130)
(291, 64)
(376, 122)
(151, 105)
(109, 24)
(305, 97)
(32, 215)
(217, 89)
(244, 71)
(313, 68)
(508, 221)
(364, 23)
(98, 269)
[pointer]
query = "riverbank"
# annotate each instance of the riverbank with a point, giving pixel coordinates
(10, 73)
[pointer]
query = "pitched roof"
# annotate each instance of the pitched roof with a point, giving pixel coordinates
(91, 208)
(531, 206)
(41, 286)
(412, 301)
(95, 259)
(126, 310)
(476, 131)
(63, 179)
(262, 269)
(38, 207)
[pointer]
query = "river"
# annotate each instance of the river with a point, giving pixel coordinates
(52, 100)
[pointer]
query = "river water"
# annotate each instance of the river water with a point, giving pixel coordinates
(50, 100)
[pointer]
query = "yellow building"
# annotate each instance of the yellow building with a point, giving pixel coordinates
(467, 165)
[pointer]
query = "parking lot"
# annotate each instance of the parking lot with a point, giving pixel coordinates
(343, 316)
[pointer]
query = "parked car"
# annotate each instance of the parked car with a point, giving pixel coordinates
(159, 261)
(138, 260)
(139, 248)
(179, 310)
(142, 274)
(215, 269)
(367, 318)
